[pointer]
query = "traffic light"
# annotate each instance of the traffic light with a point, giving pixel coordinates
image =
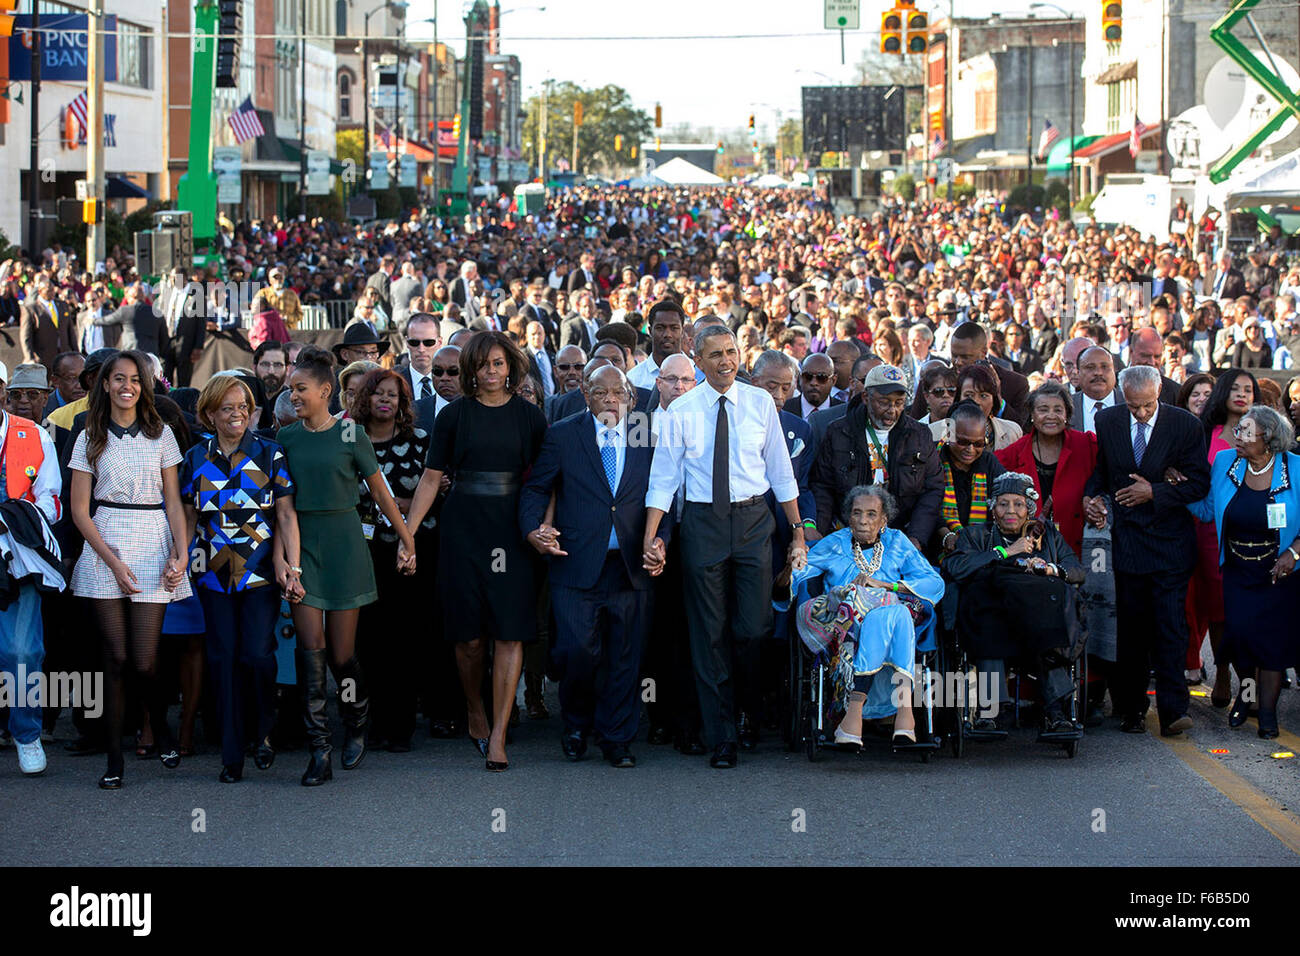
(751, 124)
(618, 142)
(918, 32)
(721, 148)
(7, 10)
(455, 127)
(91, 211)
(891, 32)
(230, 28)
(1112, 20)
(634, 152)
(659, 116)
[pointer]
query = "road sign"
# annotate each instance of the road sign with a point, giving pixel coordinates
(378, 169)
(318, 172)
(406, 171)
(943, 169)
(1148, 161)
(226, 166)
(842, 14)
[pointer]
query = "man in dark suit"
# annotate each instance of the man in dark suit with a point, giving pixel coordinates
(1147, 347)
(47, 327)
(570, 362)
(1227, 281)
(816, 382)
(185, 329)
(600, 575)
(970, 344)
(1097, 390)
(580, 328)
(822, 420)
(540, 358)
(572, 402)
(1151, 460)
(423, 339)
(583, 277)
(536, 310)
(381, 281)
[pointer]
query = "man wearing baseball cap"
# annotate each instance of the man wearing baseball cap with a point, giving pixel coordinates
(29, 472)
(875, 443)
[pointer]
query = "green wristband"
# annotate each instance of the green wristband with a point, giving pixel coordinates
(1001, 551)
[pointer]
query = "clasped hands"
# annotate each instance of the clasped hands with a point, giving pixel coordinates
(1138, 493)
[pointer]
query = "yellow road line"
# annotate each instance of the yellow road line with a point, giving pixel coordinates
(1264, 810)
(1285, 739)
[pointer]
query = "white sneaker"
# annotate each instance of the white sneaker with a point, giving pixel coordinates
(31, 757)
(844, 737)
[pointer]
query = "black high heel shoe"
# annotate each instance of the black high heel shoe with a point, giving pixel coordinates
(481, 745)
(496, 766)
(1268, 728)
(1240, 713)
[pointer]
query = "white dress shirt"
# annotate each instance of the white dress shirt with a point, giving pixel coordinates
(48, 483)
(1090, 410)
(645, 374)
(418, 383)
(619, 436)
(807, 407)
(758, 458)
(544, 366)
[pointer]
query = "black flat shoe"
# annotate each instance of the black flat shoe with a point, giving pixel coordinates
(110, 782)
(724, 756)
(620, 756)
(231, 774)
(171, 759)
(1268, 728)
(495, 766)
(264, 756)
(574, 745)
(1134, 724)
(747, 732)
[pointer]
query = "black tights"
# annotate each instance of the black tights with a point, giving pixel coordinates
(134, 626)
(1269, 689)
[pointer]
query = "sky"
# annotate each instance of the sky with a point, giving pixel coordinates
(704, 82)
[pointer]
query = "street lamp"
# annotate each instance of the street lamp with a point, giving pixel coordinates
(399, 8)
(1069, 179)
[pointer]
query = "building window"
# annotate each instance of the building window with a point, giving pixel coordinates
(345, 96)
(133, 45)
(341, 16)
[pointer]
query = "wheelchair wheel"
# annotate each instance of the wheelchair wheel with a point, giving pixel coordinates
(808, 726)
(957, 738)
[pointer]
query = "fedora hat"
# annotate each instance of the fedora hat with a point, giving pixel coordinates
(359, 334)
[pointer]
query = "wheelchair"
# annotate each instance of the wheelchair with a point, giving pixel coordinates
(958, 718)
(812, 718)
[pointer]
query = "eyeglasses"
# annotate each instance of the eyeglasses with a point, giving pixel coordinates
(942, 390)
(1239, 431)
(427, 343)
(370, 353)
(568, 366)
(675, 380)
(439, 371)
(820, 377)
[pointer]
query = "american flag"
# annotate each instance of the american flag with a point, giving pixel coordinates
(1049, 136)
(937, 145)
(244, 122)
(1135, 137)
(78, 109)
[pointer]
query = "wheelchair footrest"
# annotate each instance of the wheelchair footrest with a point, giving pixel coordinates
(1060, 737)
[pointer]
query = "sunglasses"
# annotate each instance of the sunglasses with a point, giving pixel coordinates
(438, 371)
(427, 343)
(568, 366)
(821, 377)
(981, 443)
(941, 391)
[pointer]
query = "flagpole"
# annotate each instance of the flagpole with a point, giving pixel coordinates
(34, 162)
(96, 245)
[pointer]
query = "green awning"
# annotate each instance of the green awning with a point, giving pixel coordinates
(294, 155)
(1058, 158)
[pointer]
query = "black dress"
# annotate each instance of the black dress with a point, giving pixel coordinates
(485, 566)
(1258, 628)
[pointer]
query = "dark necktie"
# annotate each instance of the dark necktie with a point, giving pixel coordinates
(1140, 443)
(721, 463)
(424, 387)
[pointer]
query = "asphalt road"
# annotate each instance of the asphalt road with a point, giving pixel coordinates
(1009, 802)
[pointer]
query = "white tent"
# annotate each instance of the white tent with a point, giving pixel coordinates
(1278, 182)
(769, 181)
(678, 172)
(645, 182)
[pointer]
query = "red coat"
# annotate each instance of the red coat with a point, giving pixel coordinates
(1078, 459)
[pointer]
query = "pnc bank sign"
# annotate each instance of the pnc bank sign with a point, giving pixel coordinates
(64, 49)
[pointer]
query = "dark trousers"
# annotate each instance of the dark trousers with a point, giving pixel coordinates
(674, 703)
(439, 678)
(1151, 624)
(71, 644)
(598, 642)
(388, 636)
(727, 580)
(241, 651)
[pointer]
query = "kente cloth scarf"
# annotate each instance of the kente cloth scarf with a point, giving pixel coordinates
(979, 499)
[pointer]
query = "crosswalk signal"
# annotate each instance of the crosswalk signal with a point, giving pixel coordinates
(1112, 21)
(891, 32)
(91, 211)
(659, 116)
(618, 142)
(634, 152)
(918, 32)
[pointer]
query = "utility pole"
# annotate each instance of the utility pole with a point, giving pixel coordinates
(302, 112)
(34, 163)
(1029, 112)
(96, 247)
(437, 135)
(541, 133)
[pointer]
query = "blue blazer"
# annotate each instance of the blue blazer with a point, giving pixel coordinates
(569, 465)
(1226, 476)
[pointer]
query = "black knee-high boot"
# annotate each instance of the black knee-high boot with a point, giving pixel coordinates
(354, 705)
(312, 684)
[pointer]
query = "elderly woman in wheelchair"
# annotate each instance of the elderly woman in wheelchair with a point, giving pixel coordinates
(877, 586)
(1017, 579)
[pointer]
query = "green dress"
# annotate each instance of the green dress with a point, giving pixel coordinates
(337, 573)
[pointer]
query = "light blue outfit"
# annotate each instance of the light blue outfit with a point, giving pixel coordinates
(1228, 473)
(886, 636)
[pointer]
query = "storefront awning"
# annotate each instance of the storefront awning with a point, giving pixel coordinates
(1120, 71)
(119, 187)
(422, 153)
(1115, 141)
(1058, 158)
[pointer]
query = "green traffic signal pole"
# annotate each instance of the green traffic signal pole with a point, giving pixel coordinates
(197, 190)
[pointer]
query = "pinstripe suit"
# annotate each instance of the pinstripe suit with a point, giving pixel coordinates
(1154, 552)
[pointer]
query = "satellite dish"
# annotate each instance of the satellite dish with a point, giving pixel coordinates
(1237, 105)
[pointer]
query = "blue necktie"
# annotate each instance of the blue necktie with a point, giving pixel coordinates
(1140, 443)
(609, 458)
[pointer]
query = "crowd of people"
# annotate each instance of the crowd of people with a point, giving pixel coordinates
(614, 444)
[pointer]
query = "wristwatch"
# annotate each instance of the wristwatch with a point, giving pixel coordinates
(1293, 554)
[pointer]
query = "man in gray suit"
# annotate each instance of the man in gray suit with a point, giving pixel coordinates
(140, 326)
(1096, 388)
(403, 290)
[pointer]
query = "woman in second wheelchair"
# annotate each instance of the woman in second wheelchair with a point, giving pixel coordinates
(878, 585)
(1016, 578)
